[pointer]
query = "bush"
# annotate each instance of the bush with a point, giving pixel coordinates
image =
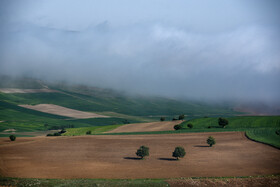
(209, 127)
(162, 119)
(56, 134)
(190, 125)
(181, 117)
(88, 132)
(211, 141)
(49, 134)
(143, 151)
(174, 119)
(223, 122)
(177, 127)
(277, 132)
(179, 152)
(13, 137)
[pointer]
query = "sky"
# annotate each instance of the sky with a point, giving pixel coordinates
(195, 49)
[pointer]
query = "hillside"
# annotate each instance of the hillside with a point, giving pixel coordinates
(119, 107)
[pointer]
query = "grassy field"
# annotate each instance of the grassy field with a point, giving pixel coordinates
(94, 130)
(265, 135)
(83, 182)
(120, 107)
(194, 181)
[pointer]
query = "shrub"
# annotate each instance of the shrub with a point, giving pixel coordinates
(190, 125)
(62, 131)
(277, 132)
(88, 132)
(174, 119)
(223, 122)
(179, 152)
(211, 141)
(162, 119)
(13, 137)
(56, 134)
(143, 151)
(209, 127)
(177, 127)
(49, 134)
(181, 117)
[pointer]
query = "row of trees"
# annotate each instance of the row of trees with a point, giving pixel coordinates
(221, 121)
(181, 117)
(179, 152)
(143, 151)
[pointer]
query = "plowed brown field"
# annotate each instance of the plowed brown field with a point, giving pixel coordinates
(114, 156)
(146, 127)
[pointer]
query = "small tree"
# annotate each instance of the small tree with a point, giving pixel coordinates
(88, 132)
(181, 117)
(162, 119)
(177, 127)
(179, 152)
(190, 125)
(211, 141)
(13, 137)
(223, 122)
(143, 151)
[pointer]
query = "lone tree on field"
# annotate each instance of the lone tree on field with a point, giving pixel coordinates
(211, 141)
(143, 151)
(190, 125)
(12, 137)
(177, 127)
(181, 117)
(162, 119)
(223, 122)
(179, 152)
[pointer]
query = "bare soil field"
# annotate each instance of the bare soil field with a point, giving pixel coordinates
(145, 127)
(63, 111)
(113, 156)
(16, 90)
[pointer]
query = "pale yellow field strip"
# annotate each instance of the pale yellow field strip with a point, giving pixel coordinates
(63, 111)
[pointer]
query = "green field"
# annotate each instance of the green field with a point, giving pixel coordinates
(119, 107)
(94, 130)
(197, 181)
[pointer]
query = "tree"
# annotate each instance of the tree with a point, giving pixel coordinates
(162, 119)
(88, 132)
(181, 117)
(143, 151)
(13, 137)
(179, 152)
(190, 125)
(223, 122)
(211, 141)
(177, 127)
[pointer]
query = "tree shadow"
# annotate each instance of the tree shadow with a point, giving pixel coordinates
(201, 146)
(132, 158)
(167, 159)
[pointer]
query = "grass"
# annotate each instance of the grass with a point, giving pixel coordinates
(265, 135)
(8, 181)
(94, 130)
(5, 181)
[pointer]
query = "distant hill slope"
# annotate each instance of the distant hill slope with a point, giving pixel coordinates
(120, 107)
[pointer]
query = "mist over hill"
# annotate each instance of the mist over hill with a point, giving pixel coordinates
(212, 52)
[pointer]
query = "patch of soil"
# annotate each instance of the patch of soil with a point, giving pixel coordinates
(145, 127)
(63, 111)
(113, 156)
